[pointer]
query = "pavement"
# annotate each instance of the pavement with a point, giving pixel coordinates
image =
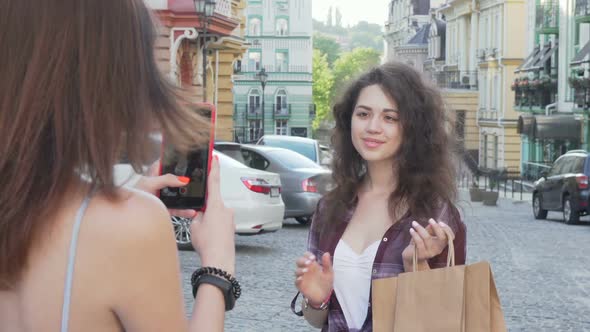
(541, 268)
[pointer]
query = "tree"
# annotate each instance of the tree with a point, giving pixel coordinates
(338, 18)
(323, 81)
(352, 64)
(328, 46)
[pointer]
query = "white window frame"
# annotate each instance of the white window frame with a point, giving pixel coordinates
(278, 26)
(282, 127)
(254, 128)
(255, 29)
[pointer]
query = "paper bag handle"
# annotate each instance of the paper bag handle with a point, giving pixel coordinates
(450, 255)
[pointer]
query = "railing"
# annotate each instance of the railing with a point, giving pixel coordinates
(281, 110)
(245, 68)
(582, 7)
(511, 183)
(534, 93)
(532, 170)
(547, 18)
(223, 7)
(456, 80)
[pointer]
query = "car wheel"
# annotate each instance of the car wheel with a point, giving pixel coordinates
(537, 209)
(570, 216)
(182, 232)
(303, 220)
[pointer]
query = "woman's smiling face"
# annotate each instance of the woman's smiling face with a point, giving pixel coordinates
(375, 127)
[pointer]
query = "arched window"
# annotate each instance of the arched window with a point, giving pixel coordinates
(255, 26)
(282, 27)
(254, 102)
(281, 107)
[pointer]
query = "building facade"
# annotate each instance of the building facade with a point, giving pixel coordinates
(405, 19)
(501, 49)
(179, 52)
(552, 85)
(279, 35)
(451, 65)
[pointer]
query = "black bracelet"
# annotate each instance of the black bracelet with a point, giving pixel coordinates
(222, 280)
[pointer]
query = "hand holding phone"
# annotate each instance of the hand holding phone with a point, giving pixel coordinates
(192, 167)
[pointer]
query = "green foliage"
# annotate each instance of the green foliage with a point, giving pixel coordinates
(352, 64)
(328, 46)
(323, 82)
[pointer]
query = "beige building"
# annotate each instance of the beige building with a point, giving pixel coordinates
(451, 65)
(501, 49)
(179, 52)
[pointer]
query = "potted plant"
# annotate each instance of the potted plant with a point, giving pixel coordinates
(475, 194)
(490, 198)
(575, 83)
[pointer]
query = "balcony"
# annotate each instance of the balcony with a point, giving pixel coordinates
(456, 80)
(547, 18)
(582, 11)
(281, 111)
(287, 73)
(581, 87)
(535, 94)
(223, 7)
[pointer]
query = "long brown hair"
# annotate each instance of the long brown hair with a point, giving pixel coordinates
(423, 165)
(79, 88)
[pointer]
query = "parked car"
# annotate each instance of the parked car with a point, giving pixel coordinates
(306, 146)
(230, 149)
(303, 181)
(564, 188)
(254, 195)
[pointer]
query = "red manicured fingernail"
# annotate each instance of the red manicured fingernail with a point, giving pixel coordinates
(184, 179)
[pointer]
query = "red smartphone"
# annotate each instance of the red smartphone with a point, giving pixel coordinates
(194, 165)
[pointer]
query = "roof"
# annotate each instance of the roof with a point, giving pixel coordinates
(421, 36)
(289, 138)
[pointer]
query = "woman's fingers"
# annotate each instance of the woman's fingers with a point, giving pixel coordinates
(421, 230)
(304, 261)
(189, 214)
(438, 231)
(418, 241)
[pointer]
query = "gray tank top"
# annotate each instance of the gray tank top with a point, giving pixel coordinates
(65, 313)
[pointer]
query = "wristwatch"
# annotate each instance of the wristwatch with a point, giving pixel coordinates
(224, 285)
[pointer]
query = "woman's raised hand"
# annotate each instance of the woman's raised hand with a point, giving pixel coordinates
(313, 280)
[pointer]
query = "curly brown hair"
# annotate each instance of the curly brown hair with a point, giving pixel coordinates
(424, 164)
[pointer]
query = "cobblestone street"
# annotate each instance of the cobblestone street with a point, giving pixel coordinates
(542, 270)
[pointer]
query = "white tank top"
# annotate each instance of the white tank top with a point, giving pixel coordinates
(352, 281)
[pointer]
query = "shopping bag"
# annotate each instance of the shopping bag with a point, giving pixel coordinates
(455, 299)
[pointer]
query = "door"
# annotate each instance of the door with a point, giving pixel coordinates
(552, 186)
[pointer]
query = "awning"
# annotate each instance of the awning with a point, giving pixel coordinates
(558, 127)
(582, 56)
(526, 125)
(528, 59)
(547, 52)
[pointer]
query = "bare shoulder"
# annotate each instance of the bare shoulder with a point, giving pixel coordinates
(137, 217)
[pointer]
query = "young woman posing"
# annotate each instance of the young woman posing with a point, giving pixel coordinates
(395, 190)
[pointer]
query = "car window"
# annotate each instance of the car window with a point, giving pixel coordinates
(307, 149)
(578, 165)
(234, 152)
(292, 160)
(558, 167)
(228, 161)
(255, 160)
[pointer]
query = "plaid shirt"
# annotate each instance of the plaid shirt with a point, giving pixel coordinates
(388, 260)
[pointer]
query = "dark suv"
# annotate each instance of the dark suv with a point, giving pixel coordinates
(564, 187)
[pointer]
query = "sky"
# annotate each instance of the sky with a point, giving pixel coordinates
(373, 11)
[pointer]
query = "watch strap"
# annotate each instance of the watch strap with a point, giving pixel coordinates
(223, 284)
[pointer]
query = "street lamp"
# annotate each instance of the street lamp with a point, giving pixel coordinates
(205, 8)
(262, 76)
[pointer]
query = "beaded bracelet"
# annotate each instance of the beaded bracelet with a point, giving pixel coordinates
(235, 285)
